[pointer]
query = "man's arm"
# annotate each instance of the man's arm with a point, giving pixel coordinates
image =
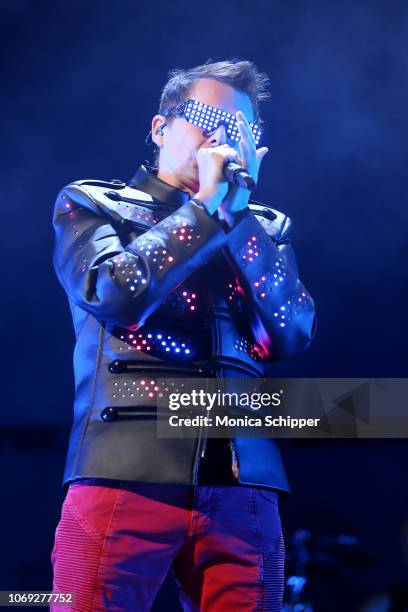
(123, 284)
(280, 310)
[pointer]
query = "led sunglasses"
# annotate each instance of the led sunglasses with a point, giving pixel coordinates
(210, 117)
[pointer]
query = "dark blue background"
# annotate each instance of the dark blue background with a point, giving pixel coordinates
(80, 82)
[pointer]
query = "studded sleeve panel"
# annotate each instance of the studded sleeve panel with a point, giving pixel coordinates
(122, 284)
(280, 309)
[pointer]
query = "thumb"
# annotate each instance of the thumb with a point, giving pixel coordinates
(260, 154)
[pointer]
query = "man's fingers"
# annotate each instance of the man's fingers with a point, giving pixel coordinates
(224, 151)
(245, 127)
(231, 154)
(243, 149)
(246, 134)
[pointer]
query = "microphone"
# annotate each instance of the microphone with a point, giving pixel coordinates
(237, 175)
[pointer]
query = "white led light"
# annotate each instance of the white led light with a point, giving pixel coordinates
(210, 117)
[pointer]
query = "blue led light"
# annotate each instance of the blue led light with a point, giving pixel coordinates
(161, 342)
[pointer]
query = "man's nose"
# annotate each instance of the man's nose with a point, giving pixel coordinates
(218, 136)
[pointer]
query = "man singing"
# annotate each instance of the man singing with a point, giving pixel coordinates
(176, 274)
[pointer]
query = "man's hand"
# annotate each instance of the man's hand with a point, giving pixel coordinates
(250, 159)
(213, 186)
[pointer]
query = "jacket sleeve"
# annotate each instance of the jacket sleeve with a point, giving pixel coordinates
(281, 312)
(122, 284)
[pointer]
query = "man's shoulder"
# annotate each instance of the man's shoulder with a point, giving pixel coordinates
(114, 190)
(112, 199)
(275, 222)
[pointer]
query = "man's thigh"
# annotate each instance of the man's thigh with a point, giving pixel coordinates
(114, 546)
(234, 559)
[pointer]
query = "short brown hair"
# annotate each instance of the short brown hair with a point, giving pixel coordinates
(242, 75)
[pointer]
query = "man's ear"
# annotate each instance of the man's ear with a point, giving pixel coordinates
(158, 122)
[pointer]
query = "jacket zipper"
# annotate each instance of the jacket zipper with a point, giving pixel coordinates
(202, 439)
(234, 456)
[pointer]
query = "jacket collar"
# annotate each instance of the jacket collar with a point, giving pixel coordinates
(146, 180)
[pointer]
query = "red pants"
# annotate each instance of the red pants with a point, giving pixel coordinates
(114, 547)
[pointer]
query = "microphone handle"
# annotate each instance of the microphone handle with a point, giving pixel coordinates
(233, 173)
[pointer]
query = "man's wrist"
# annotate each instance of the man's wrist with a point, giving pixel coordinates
(201, 204)
(233, 218)
(211, 200)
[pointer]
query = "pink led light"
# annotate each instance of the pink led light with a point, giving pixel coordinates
(170, 258)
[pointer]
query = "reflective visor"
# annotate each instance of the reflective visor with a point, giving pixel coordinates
(210, 117)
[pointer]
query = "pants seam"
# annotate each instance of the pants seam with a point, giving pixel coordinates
(258, 542)
(101, 564)
(97, 538)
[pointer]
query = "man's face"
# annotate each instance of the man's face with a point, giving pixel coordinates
(182, 140)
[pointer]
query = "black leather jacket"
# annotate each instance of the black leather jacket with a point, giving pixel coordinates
(159, 288)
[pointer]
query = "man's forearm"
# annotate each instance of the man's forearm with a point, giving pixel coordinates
(280, 309)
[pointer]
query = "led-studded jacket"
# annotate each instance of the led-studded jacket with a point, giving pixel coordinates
(159, 288)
